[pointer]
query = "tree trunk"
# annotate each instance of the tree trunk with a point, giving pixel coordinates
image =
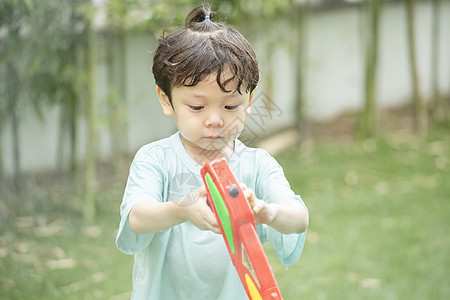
(15, 143)
(72, 109)
(73, 136)
(113, 99)
(419, 107)
(368, 118)
(62, 129)
(437, 109)
(2, 165)
(123, 103)
(301, 22)
(12, 103)
(117, 102)
(91, 161)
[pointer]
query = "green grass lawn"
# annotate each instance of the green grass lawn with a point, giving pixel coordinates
(379, 229)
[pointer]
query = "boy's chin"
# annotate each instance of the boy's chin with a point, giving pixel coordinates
(215, 149)
(217, 145)
(212, 146)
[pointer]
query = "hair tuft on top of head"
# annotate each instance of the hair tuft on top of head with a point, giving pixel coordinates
(198, 15)
(203, 47)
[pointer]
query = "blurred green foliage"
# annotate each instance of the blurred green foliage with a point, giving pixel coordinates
(378, 228)
(45, 48)
(379, 211)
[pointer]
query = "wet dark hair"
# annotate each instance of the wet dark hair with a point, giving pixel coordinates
(202, 47)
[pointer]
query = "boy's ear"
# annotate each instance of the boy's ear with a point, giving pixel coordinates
(165, 102)
(250, 102)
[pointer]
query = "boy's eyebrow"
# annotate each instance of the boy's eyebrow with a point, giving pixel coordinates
(197, 95)
(233, 94)
(225, 95)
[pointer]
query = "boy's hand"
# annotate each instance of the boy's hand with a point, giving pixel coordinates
(289, 217)
(264, 213)
(196, 210)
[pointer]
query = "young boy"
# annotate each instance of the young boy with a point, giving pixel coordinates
(206, 74)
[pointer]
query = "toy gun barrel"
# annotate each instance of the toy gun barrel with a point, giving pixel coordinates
(237, 224)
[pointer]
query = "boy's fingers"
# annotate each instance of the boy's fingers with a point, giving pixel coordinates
(212, 220)
(201, 191)
(214, 227)
(246, 194)
(257, 208)
(250, 195)
(243, 186)
(216, 230)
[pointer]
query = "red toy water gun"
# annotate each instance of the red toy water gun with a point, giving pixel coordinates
(237, 224)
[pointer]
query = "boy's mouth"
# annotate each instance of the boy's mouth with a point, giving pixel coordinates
(214, 137)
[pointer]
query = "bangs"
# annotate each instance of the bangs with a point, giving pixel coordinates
(205, 59)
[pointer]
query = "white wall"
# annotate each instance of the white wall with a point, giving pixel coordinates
(335, 55)
(334, 80)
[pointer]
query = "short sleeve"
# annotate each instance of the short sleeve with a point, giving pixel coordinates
(273, 187)
(288, 247)
(145, 183)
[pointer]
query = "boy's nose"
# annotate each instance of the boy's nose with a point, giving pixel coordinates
(214, 120)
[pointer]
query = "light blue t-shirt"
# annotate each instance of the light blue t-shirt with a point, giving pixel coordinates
(184, 262)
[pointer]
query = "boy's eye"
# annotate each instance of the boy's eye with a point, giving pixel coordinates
(195, 107)
(231, 107)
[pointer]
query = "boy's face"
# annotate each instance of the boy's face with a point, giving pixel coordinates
(207, 118)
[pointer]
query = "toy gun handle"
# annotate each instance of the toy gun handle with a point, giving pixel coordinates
(256, 256)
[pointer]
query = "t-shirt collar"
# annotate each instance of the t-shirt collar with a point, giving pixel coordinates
(192, 165)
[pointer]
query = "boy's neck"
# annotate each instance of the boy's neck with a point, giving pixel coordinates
(201, 156)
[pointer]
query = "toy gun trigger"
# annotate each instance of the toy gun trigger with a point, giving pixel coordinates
(209, 200)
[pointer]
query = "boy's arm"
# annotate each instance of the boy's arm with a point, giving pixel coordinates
(289, 217)
(153, 217)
